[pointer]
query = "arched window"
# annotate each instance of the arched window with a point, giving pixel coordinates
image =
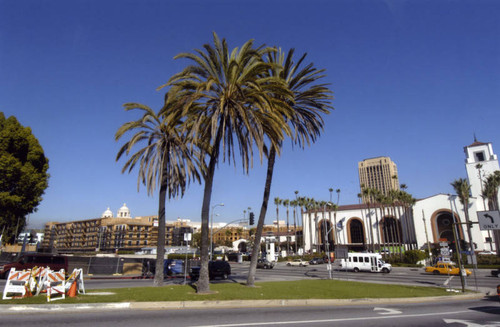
(443, 227)
(391, 230)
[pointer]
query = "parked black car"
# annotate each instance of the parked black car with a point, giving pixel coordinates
(495, 272)
(220, 269)
(316, 261)
(264, 264)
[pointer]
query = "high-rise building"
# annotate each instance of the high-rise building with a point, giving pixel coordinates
(378, 173)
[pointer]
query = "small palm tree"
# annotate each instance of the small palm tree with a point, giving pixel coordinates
(165, 159)
(462, 188)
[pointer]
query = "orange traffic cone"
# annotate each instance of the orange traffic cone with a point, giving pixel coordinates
(72, 290)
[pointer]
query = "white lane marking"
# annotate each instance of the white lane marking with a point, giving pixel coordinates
(387, 311)
(446, 282)
(469, 323)
(270, 323)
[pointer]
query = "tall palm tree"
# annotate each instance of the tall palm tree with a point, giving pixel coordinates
(309, 101)
(286, 204)
(295, 222)
(278, 202)
(165, 159)
(490, 192)
(332, 228)
(302, 201)
(293, 203)
(227, 98)
(379, 201)
(490, 189)
(367, 194)
(462, 188)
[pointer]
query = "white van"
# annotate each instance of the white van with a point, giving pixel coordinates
(365, 262)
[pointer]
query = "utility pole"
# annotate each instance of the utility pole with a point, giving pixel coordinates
(457, 248)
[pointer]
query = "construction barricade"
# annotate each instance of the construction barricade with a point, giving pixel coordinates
(38, 276)
(55, 283)
(74, 283)
(24, 283)
(17, 284)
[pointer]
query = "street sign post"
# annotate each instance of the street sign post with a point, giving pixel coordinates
(488, 220)
(341, 252)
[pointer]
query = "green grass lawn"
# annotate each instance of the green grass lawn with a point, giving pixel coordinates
(303, 289)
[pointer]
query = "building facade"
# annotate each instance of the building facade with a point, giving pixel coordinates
(421, 225)
(378, 173)
(111, 234)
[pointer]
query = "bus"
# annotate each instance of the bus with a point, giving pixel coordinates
(365, 262)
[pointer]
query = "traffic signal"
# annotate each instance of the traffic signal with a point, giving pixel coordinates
(252, 218)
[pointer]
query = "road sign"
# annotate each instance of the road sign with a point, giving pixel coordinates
(341, 252)
(488, 220)
(445, 251)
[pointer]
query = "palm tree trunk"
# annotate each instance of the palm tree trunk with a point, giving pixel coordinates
(302, 223)
(203, 284)
(262, 217)
(278, 229)
(378, 227)
(160, 246)
(310, 231)
(370, 231)
(295, 227)
(287, 231)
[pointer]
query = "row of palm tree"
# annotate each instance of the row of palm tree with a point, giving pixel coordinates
(396, 204)
(311, 207)
(224, 102)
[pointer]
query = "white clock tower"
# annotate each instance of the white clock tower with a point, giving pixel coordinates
(480, 162)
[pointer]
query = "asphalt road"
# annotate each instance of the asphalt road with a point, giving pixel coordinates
(485, 312)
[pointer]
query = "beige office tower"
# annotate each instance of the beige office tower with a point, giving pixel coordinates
(378, 173)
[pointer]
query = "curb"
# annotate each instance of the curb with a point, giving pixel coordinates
(176, 305)
(290, 303)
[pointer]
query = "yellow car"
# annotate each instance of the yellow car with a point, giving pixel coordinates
(444, 268)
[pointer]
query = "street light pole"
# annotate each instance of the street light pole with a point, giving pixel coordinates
(212, 228)
(457, 246)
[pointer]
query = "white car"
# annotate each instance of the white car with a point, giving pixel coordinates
(298, 262)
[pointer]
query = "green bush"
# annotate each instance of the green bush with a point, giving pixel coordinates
(414, 256)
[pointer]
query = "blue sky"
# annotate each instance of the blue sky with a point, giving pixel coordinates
(413, 80)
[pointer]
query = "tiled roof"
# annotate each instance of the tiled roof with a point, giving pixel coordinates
(476, 143)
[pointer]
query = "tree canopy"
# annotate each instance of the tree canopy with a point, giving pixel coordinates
(23, 175)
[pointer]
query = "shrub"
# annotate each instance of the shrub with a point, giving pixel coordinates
(414, 256)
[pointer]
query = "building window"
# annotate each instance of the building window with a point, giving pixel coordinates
(479, 156)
